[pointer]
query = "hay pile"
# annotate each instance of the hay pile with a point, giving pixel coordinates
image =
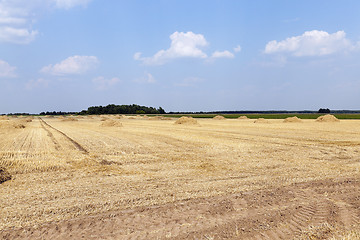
(4, 175)
(111, 123)
(69, 119)
(327, 118)
(186, 121)
(167, 118)
(261, 120)
(219, 117)
(292, 120)
(4, 118)
(19, 124)
(243, 117)
(132, 117)
(156, 118)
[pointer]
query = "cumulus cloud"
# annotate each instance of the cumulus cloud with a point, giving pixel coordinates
(102, 83)
(18, 16)
(147, 78)
(311, 43)
(71, 3)
(72, 65)
(237, 48)
(182, 45)
(17, 35)
(6, 70)
(223, 54)
(40, 82)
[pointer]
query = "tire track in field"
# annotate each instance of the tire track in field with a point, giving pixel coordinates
(49, 133)
(282, 213)
(76, 144)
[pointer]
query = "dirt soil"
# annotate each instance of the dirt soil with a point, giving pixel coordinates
(281, 213)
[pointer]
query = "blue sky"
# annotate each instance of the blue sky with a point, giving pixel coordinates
(182, 55)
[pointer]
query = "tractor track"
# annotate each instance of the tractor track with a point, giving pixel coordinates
(77, 145)
(282, 213)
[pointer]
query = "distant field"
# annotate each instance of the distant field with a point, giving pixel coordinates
(133, 177)
(267, 116)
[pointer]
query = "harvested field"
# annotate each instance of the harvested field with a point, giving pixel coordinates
(156, 180)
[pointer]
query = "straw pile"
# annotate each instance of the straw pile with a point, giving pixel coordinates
(261, 120)
(4, 175)
(69, 119)
(219, 117)
(243, 117)
(111, 123)
(19, 124)
(187, 121)
(4, 118)
(327, 118)
(156, 118)
(292, 120)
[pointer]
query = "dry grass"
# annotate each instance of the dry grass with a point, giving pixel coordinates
(154, 162)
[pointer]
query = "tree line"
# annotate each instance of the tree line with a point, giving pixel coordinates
(112, 109)
(122, 109)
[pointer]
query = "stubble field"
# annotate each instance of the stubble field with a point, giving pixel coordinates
(88, 177)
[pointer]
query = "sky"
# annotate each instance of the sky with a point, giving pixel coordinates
(68, 55)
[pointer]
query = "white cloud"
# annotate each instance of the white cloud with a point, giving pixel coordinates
(237, 48)
(182, 45)
(72, 65)
(223, 54)
(18, 16)
(40, 82)
(66, 4)
(6, 71)
(311, 43)
(147, 78)
(103, 83)
(17, 35)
